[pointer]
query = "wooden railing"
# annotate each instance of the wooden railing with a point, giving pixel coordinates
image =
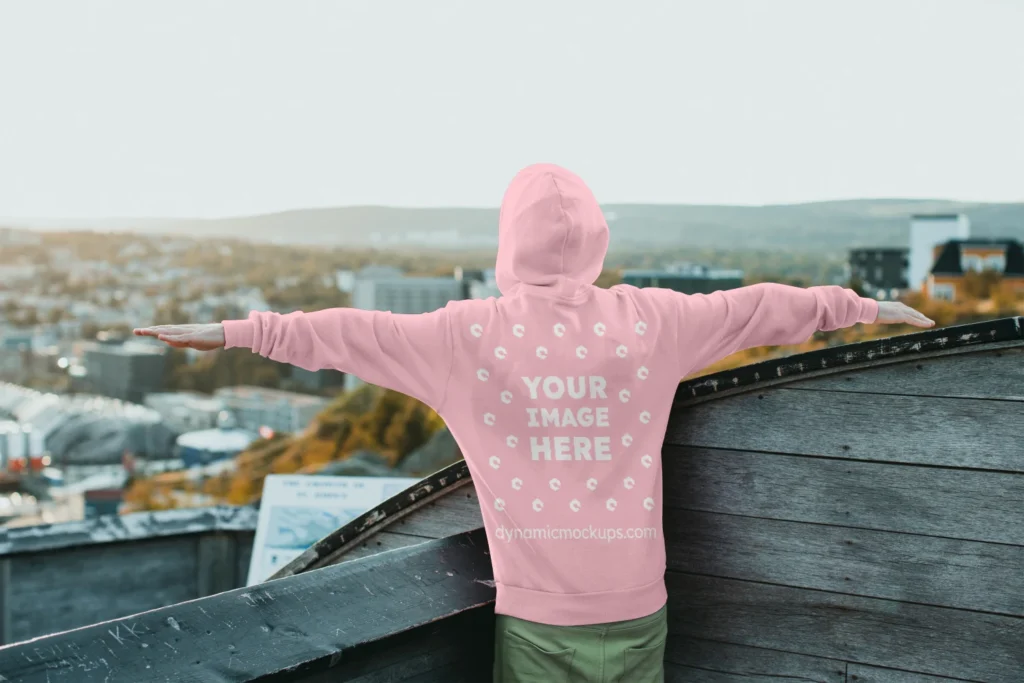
(61, 576)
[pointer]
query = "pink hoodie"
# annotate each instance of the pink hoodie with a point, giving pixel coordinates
(558, 393)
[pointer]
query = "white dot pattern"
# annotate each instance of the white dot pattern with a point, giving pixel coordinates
(521, 458)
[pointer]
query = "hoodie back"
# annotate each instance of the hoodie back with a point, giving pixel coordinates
(558, 393)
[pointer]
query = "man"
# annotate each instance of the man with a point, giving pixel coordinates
(558, 394)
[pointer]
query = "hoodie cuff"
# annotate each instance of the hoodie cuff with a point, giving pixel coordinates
(868, 310)
(238, 334)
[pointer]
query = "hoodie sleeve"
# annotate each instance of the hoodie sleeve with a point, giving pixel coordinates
(410, 353)
(713, 326)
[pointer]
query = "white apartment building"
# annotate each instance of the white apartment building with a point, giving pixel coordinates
(186, 411)
(281, 411)
(927, 232)
(387, 289)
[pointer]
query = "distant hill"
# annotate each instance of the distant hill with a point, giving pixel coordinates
(805, 227)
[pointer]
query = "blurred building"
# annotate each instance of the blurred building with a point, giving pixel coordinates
(926, 233)
(400, 294)
(378, 288)
(686, 278)
(956, 258)
(281, 411)
(127, 371)
(81, 434)
(196, 449)
(186, 411)
(477, 283)
(882, 271)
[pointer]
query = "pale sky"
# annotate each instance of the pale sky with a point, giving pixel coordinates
(205, 108)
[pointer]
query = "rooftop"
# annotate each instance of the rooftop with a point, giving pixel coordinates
(948, 262)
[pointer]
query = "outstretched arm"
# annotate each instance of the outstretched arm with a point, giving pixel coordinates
(713, 326)
(410, 353)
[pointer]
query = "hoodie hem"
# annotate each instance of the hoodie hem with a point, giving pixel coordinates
(580, 609)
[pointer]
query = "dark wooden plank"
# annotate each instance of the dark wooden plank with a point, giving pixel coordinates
(74, 587)
(694, 660)
(292, 627)
(382, 542)
(455, 513)
(215, 564)
(455, 650)
(120, 528)
(5, 601)
(970, 505)
(990, 374)
(243, 557)
(898, 635)
(329, 549)
(923, 569)
(952, 432)
(858, 673)
(1001, 333)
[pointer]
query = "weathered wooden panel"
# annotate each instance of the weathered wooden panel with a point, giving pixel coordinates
(972, 505)
(216, 564)
(879, 564)
(243, 557)
(283, 630)
(452, 514)
(62, 590)
(858, 673)
(455, 650)
(692, 660)
(71, 574)
(380, 542)
(887, 633)
(989, 374)
(954, 432)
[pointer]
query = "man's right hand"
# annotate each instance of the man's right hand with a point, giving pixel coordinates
(896, 313)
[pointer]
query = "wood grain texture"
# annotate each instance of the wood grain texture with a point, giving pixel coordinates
(452, 514)
(899, 635)
(879, 564)
(381, 542)
(693, 660)
(970, 505)
(858, 673)
(955, 504)
(951, 432)
(216, 562)
(289, 628)
(995, 375)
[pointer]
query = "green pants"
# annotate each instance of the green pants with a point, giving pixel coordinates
(619, 652)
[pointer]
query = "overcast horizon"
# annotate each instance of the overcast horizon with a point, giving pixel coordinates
(121, 109)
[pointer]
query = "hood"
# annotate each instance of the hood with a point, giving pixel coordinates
(552, 235)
